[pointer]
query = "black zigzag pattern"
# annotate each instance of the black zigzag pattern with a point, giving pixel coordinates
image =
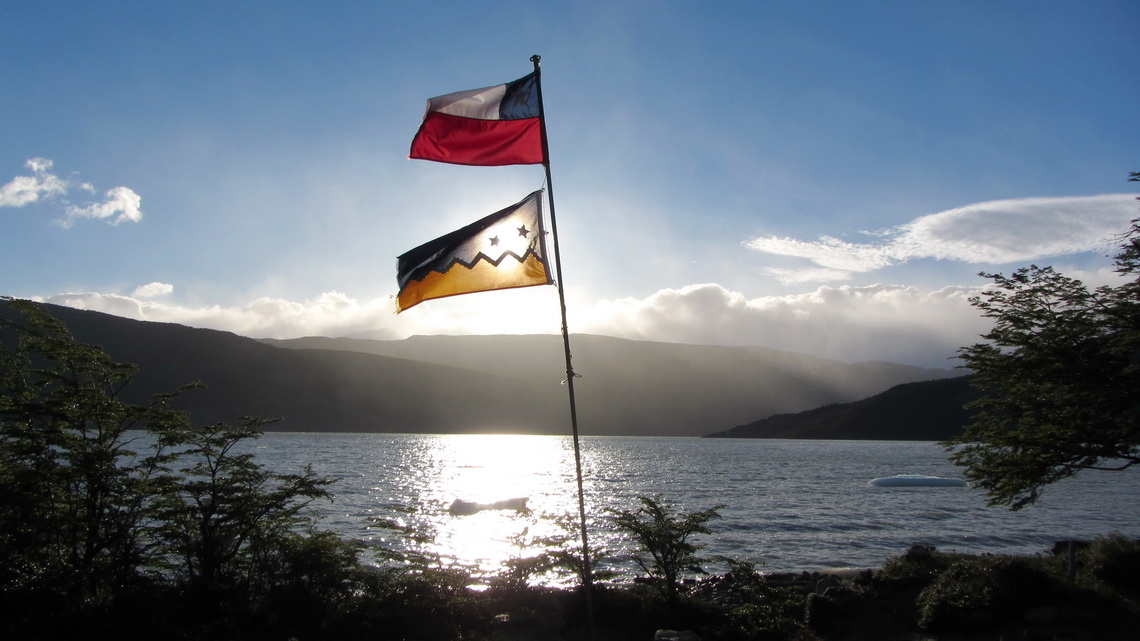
(481, 256)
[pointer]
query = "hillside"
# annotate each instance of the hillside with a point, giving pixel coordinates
(478, 383)
(312, 390)
(644, 387)
(923, 411)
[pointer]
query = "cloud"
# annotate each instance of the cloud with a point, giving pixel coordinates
(879, 322)
(828, 252)
(152, 290)
(120, 203)
(891, 323)
(329, 314)
(800, 276)
(24, 190)
(995, 232)
(115, 304)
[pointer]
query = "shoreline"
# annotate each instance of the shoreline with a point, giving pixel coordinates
(921, 594)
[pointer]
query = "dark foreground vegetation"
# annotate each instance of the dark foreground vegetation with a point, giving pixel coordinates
(922, 594)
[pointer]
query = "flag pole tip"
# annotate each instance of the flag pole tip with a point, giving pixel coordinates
(535, 59)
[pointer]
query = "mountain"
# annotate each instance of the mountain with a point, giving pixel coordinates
(480, 384)
(643, 387)
(312, 390)
(924, 411)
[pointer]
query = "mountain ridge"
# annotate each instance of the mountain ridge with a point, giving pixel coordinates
(477, 384)
(920, 411)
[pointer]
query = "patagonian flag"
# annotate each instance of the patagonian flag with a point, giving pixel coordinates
(498, 125)
(504, 250)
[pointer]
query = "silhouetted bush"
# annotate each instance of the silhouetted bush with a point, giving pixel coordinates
(975, 592)
(1115, 561)
(662, 534)
(918, 566)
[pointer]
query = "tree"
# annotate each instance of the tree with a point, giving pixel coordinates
(565, 551)
(228, 515)
(74, 494)
(662, 533)
(1060, 378)
(108, 507)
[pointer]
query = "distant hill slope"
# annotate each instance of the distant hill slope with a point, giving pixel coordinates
(312, 390)
(485, 384)
(924, 411)
(644, 387)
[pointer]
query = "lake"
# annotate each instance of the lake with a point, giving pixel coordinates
(789, 504)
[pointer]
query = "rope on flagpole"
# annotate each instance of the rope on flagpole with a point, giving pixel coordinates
(587, 570)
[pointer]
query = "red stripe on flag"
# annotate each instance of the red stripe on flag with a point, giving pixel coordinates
(471, 141)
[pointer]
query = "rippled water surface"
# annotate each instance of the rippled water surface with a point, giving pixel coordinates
(793, 505)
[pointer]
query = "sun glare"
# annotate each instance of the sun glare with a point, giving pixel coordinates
(493, 493)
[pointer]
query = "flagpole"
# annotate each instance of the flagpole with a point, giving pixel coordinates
(587, 570)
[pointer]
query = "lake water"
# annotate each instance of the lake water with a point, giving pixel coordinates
(792, 505)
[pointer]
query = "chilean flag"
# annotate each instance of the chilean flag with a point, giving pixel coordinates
(493, 126)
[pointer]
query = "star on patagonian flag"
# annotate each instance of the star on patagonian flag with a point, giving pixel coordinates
(504, 250)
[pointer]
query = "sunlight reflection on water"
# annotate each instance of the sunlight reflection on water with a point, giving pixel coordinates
(795, 505)
(485, 469)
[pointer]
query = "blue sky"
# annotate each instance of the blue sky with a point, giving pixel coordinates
(824, 177)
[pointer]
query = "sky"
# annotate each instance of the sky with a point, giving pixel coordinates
(827, 177)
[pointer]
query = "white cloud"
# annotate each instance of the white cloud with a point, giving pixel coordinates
(152, 290)
(828, 252)
(115, 304)
(995, 232)
(120, 203)
(891, 323)
(1006, 231)
(24, 190)
(800, 276)
(330, 314)
(878, 322)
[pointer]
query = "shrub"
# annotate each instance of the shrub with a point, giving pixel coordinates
(1115, 561)
(975, 591)
(564, 551)
(916, 567)
(662, 533)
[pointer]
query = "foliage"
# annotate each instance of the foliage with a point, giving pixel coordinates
(955, 592)
(662, 534)
(917, 566)
(239, 541)
(74, 509)
(751, 607)
(1114, 560)
(974, 593)
(1060, 380)
(93, 523)
(519, 570)
(417, 554)
(227, 516)
(565, 552)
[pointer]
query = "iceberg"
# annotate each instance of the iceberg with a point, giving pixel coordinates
(916, 480)
(459, 507)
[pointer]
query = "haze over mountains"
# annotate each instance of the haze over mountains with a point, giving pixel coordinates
(478, 384)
